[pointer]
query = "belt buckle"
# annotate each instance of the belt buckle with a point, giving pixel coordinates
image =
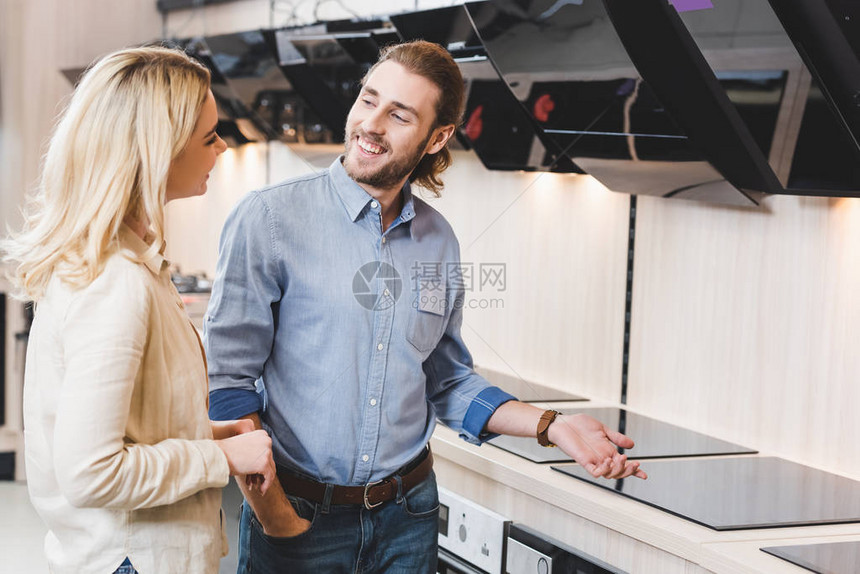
(367, 488)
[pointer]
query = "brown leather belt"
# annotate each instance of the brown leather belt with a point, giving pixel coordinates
(370, 495)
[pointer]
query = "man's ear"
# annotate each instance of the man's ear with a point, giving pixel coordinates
(440, 137)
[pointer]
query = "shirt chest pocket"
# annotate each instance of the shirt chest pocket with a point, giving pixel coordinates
(427, 315)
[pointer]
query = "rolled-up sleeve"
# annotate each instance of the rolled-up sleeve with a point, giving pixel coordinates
(240, 326)
(105, 332)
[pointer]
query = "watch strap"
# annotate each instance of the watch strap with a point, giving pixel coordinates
(546, 419)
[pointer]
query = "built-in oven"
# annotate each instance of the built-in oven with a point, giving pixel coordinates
(529, 552)
(477, 540)
(471, 537)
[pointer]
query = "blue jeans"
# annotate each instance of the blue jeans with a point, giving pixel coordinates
(398, 537)
(125, 568)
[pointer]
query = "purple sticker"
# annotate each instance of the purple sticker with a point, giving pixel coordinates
(687, 5)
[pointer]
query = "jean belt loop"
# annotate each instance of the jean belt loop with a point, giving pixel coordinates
(397, 478)
(326, 503)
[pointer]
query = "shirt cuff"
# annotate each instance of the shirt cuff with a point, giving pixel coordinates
(232, 404)
(482, 408)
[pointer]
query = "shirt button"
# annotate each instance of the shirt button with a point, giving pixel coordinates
(374, 205)
(373, 402)
(379, 347)
(365, 458)
(386, 292)
(383, 240)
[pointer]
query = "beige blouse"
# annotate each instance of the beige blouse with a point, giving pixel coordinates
(120, 459)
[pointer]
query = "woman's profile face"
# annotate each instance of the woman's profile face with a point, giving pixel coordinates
(190, 170)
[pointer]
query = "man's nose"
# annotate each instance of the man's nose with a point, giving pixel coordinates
(374, 123)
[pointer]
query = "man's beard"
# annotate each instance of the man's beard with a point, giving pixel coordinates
(389, 174)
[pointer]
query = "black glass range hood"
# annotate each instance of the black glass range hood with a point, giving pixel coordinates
(641, 112)
(826, 34)
(496, 126)
(325, 68)
(296, 85)
(724, 104)
(258, 91)
(820, 123)
(235, 126)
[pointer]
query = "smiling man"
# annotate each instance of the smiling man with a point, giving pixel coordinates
(329, 296)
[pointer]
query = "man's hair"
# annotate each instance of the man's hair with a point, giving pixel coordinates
(433, 62)
(131, 115)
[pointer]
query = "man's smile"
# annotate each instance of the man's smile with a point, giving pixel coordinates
(369, 147)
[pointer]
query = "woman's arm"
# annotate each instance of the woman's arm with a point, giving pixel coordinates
(104, 336)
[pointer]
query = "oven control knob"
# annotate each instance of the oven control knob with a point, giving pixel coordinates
(543, 566)
(462, 533)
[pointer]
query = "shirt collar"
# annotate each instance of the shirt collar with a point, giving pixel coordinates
(132, 243)
(356, 200)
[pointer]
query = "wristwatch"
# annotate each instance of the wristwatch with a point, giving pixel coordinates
(543, 427)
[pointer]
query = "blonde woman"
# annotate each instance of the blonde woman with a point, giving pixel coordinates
(122, 461)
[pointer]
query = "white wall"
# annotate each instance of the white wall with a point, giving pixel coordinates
(746, 324)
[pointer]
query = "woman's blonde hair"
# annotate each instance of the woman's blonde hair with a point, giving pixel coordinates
(131, 115)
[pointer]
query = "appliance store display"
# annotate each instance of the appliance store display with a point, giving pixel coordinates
(721, 105)
(650, 101)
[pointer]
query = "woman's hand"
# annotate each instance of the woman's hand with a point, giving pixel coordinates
(250, 455)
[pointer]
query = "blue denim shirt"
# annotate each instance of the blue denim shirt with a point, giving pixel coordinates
(353, 334)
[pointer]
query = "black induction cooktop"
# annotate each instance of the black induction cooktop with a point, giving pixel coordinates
(654, 439)
(828, 558)
(739, 492)
(526, 391)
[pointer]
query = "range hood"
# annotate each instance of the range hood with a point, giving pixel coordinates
(726, 104)
(713, 105)
(235, 126)
(827, 37)
(258, 91)
(641, 112)
(325, 65)
(496, 127)
(296, 85)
